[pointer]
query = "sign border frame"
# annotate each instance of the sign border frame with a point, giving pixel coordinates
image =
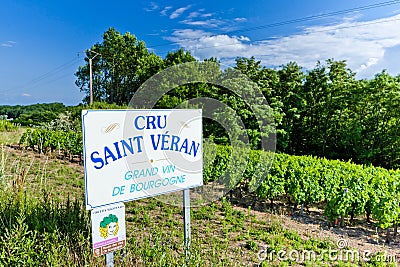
(85, 112)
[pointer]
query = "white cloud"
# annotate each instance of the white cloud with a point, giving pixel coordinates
(244, 38)
(180, 35)
(199, 18)
(205, 45)
(152, 7)
(199, 14)
(209, 23)
(362, 44)
(240, 19)
(165, 10)
(194, 14)
(178, 12)
(371, 61)
(26, 95)
(8, 44)
(206, 15)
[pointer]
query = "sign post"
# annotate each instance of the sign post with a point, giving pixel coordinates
(186, 220)
(134, 154)
(110, 259)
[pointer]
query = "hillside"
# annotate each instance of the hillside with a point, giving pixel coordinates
(224, 234)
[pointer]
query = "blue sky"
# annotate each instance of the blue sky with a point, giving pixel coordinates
(41, 42)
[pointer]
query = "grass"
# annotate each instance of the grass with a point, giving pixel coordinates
(12, 137)
(43, 222)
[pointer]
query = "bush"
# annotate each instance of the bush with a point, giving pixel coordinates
(7, 126)
(43, 232)
(343, 189)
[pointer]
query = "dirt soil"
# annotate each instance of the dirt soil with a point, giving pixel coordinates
(361, 236)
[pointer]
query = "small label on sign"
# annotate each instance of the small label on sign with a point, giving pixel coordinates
(108, 228)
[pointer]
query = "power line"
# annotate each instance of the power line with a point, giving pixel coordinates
(54, 71)
(286, 22)
(35, 81)
(316, 31)
(326, 15)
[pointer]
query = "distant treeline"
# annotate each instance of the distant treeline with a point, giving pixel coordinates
(46, 114)
(33, 114)
(325, 111)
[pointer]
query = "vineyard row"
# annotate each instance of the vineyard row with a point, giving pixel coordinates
(343, 189)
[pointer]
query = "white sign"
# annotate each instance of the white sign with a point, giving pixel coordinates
(132, 154)
(108, 229)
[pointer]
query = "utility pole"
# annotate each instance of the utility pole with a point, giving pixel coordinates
(90, 74)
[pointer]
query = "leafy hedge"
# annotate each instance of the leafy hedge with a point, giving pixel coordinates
(343, 189)
(7, 126)
(41, 140)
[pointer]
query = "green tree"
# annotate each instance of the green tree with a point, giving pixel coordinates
(289, 92)
(177, 57)
(380, 122)
(267, 80)
(122, 65)
(330, 94)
